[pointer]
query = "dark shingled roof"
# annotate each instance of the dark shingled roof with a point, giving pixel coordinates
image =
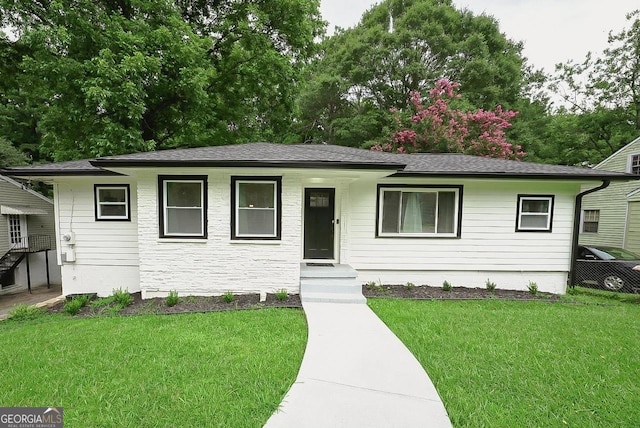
(454, 164)
(79, 167)
(259, 154)
(321, 156)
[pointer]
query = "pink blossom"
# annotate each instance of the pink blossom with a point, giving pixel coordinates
(437, 127)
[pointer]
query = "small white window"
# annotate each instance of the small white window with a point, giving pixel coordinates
(590, 221)
(634, 164)
(112, 202)
(183, 205)
(418, 212)
(534, 213)
(256, 212)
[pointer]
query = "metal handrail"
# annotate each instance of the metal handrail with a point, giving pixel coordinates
(32, 244)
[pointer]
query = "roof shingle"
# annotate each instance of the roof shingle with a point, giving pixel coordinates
(321, 156)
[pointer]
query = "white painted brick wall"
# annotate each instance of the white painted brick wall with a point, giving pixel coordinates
(218, 264)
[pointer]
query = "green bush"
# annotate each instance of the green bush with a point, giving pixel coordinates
(172, 299)
(533, 288)
(24, 312)
(410, 286)
(282, 294)
(122, 297)
(228, 297)
(73, 306)
(446, 286)
(491, 286)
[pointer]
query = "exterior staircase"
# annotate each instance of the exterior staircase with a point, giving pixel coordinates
(8, 263)
(19, 251)
(335, 283)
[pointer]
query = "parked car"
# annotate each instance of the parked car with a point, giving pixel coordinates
(610, 268)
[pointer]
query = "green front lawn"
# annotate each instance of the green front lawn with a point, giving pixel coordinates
(526, 364)
(216, 369)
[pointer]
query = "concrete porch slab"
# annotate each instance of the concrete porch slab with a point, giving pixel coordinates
(39, 296)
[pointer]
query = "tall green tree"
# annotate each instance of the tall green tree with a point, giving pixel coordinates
(399, 47)
(99, 77)
(601, 96)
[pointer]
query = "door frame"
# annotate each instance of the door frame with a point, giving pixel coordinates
(336, 225)
(22, 224)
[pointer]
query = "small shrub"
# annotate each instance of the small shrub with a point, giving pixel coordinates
(73, 306)
(172, 299)
(533, 288)
(446, 286)
(102, 302)
(282, 294)
(122, 297)
(24, 312)
(371, 285)
(491, 286)
(227, 297)
(410, 286)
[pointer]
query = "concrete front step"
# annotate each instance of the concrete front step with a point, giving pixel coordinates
(330, 285)
(335, 284)
(333, 297)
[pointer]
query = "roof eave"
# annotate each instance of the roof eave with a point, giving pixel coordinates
(55, 172)
(537, 176)
(133, 163)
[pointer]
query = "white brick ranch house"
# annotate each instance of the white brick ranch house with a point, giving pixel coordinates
(247, 218)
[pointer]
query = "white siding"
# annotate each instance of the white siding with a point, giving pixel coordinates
(489, 246)
(131, 254)
(217, 264)
(106, 252)
(612, 203)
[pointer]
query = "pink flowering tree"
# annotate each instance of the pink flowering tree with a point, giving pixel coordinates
(435, 126)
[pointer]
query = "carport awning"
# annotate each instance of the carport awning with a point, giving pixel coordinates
(21, 210)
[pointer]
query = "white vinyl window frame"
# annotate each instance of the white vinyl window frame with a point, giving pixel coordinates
(17, 228)
(99, 188)
(548, 214)
(633, 164)
(425, 189)
(236, 220)
(164, 207)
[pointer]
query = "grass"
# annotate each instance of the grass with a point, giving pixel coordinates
(215, 369)
(526, 364)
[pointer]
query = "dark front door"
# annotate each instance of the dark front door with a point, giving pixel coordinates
(318, 223)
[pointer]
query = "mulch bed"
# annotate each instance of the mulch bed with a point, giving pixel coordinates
(252, 301)
(456, 293)
(188, 304)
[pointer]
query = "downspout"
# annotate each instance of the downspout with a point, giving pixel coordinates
(577, 211)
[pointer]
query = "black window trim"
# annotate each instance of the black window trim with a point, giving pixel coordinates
(96, 201)
(278, 205)
(161, 208)
(456, 235)
(539, 196)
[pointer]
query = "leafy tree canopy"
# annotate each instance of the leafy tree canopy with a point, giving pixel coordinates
(601, 98)
(403, 46)
(98, 77)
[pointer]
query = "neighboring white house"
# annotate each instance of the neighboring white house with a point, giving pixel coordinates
(27, 238)
(611, 217)
(243, 218)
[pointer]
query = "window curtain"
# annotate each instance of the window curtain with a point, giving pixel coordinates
(446, 211)
(411, 213)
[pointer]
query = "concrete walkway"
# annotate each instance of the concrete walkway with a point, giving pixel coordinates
(356, 373)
